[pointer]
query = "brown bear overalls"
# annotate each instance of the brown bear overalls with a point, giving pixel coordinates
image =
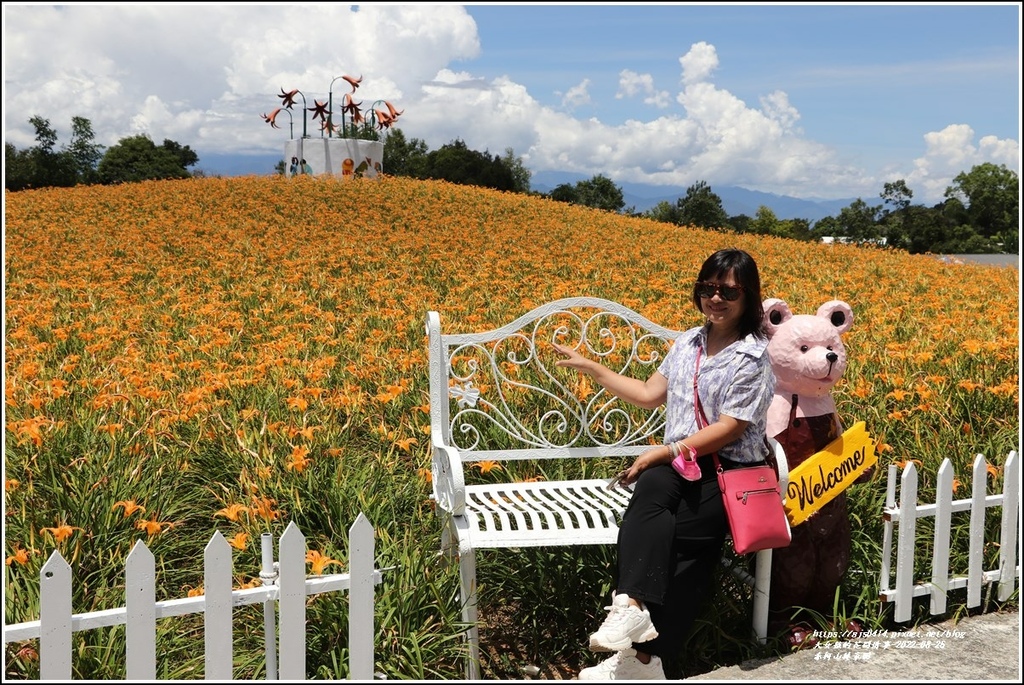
(808, 571)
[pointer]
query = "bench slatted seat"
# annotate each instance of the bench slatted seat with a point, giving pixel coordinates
(497, 396)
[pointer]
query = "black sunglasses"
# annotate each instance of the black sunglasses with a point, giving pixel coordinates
(727, 292)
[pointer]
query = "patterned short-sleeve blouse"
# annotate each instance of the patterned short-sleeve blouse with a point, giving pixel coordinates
(737, 382)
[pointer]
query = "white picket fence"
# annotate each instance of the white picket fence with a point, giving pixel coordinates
(903, 517)
(285, 587)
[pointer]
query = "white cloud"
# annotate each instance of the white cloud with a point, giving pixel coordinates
(632, 84)
(203, 74)
(948, 153)
(577, 96)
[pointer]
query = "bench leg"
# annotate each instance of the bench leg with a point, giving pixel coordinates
(467, 579)
(467, 594)
(762, 587)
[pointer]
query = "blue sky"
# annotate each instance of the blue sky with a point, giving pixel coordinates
(813, 101)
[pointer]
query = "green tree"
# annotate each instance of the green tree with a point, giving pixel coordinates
(520, 174)
(600, 192)
(17, 168)
(665, 212)
(183, 153)
(991, 195)
(404, 158)
(564, 192)
(701, 207)
(859, 222)
(85, 154)
(456, 163)
(49, 167)
(825, 227)
(896, 194)
(765, 222)
(798, 229)
(43, 165)
(137, 158)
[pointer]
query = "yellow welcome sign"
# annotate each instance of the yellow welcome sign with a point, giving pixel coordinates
(819, 479)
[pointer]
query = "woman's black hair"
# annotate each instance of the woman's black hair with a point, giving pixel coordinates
(744, 270)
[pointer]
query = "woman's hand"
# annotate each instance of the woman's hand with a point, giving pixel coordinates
(573, 359)
(649, 458)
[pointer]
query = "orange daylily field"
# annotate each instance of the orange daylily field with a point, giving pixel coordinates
(233, 354)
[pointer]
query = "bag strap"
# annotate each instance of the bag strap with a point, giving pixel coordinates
(702, 419)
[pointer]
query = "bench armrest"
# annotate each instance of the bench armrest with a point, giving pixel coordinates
(447, 478)
(781, 465)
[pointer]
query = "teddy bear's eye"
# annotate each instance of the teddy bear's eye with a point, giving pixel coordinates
(829, 348)
(804, 348)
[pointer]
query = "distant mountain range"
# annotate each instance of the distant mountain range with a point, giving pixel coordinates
(638, 196)
(735, 200)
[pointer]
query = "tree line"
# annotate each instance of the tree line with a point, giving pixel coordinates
(83, 161)
(979, 214)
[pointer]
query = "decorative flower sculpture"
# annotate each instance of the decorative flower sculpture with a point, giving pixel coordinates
(288, 99)
(319, 110)
(381, 117)
(272, 118)
(354, 82)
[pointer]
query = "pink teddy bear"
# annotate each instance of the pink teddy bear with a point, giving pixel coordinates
(808, 358)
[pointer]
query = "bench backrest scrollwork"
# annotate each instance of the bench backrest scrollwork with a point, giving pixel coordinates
(498, 394)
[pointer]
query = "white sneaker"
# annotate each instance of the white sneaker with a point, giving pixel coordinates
(625, 625)
(625, 666)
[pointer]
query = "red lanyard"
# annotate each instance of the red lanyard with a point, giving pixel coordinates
(702, 420)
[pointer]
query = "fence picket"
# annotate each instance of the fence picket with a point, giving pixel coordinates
(55, 619)
(1008, 571)
(292, 604)
(217, 625)
(940, 550)
(140, 613)
(975, 560)
(360, 599)
(285, 590)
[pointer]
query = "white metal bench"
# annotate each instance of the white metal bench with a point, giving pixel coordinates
(498, 396)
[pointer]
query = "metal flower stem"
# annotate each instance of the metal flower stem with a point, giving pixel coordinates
(330, 108)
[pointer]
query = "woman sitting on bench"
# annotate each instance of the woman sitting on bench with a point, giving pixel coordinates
(674, 527)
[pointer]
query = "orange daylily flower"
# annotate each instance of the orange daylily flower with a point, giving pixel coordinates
(152, 526)
(902, 463)
(61, 532)
(20, 556)
(128, 507)
(297, 460)
(319, 562)
(239, 540)
(406, 443)
(425, 474)
(488, 466)
(264, 508)
(297, 403)
(233, 511)
(110, 428)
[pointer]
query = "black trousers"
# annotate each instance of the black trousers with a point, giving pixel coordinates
(669, 545)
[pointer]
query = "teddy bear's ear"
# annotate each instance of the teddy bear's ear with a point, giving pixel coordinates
(838, 313)
(776, 312)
